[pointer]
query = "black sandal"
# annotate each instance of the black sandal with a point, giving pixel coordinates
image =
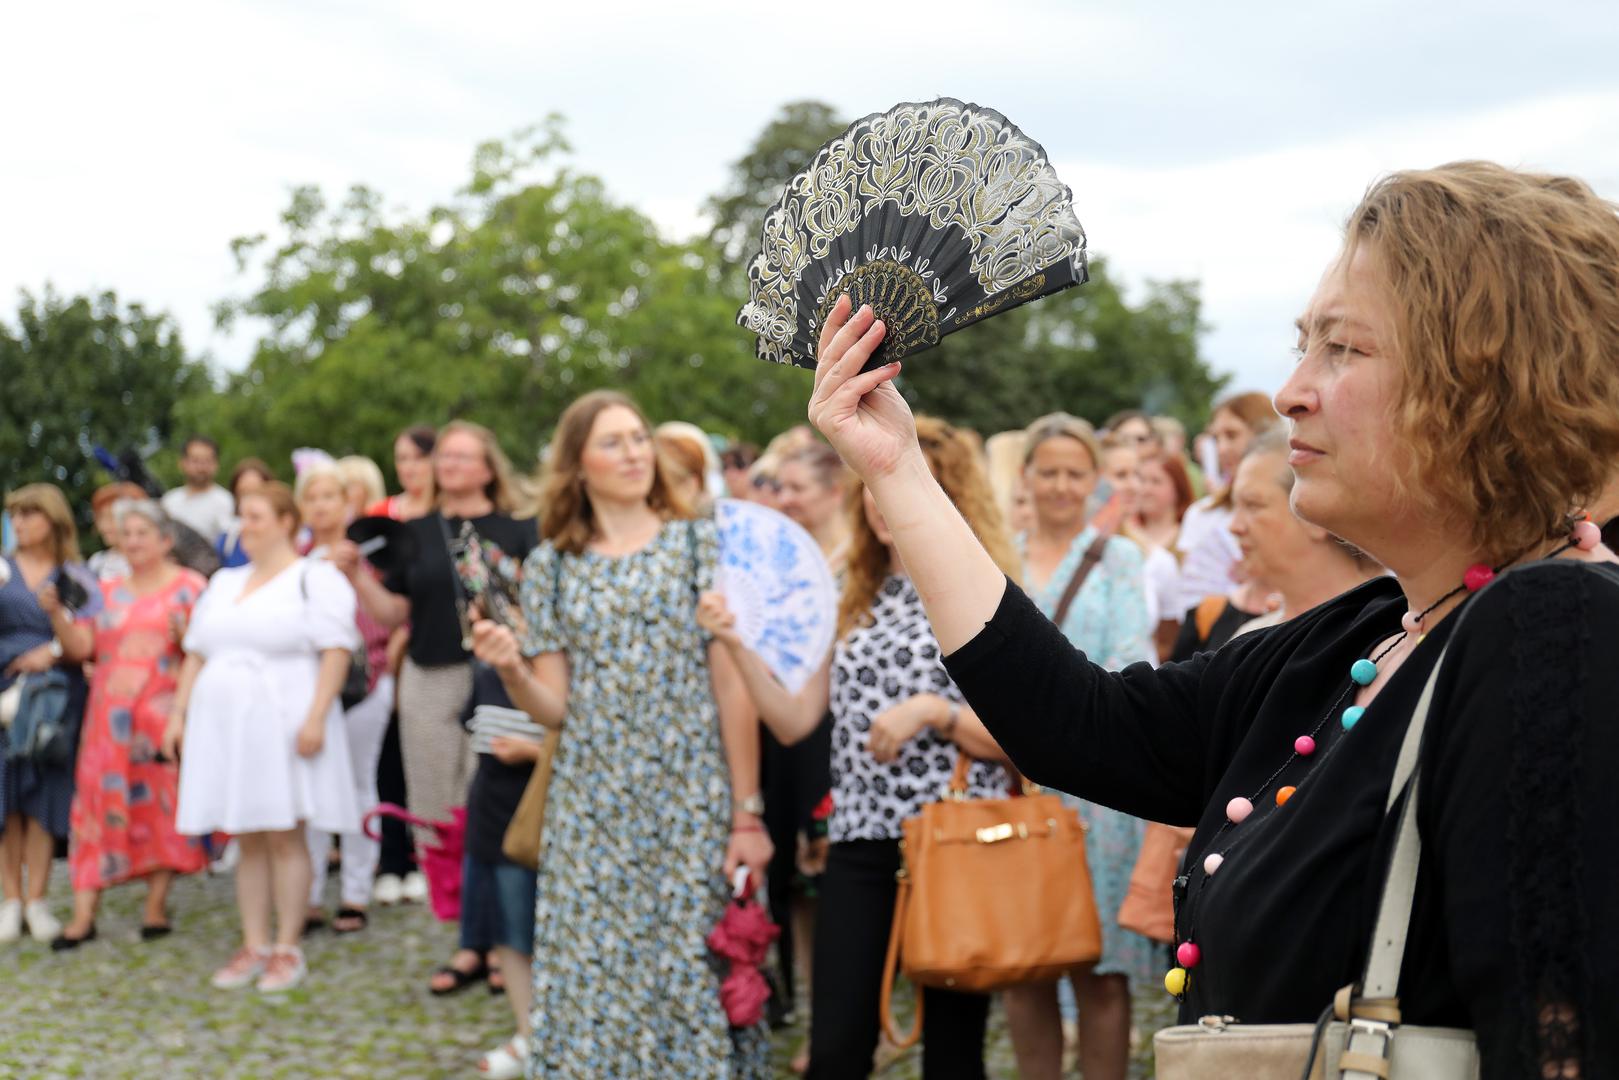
(158, 930)
(462, 979)
(63, 943)
(352, 916)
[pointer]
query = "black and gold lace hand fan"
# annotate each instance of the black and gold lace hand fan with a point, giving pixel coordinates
(937, 214)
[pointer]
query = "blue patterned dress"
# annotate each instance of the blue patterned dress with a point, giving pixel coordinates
(1108, 622)
(44, 794)
(637, 819)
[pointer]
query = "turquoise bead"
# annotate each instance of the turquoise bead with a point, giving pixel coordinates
(1363, 672)
(1352, 716)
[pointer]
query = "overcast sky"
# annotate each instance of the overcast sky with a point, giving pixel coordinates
(1223, 142)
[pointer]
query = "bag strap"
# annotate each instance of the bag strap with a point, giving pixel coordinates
(696, 560)
(885, 1004)
(1399, 888)
(1093, 555)
(462, 605)
(1374, 1010)
(1209, 611)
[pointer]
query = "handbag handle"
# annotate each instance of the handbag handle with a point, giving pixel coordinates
(891, 964)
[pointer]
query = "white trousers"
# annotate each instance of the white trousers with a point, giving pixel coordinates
(364, 726)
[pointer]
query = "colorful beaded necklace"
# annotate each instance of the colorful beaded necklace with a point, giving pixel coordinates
(1362, 673)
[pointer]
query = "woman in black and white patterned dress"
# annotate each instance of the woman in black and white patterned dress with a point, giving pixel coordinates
(898, 725)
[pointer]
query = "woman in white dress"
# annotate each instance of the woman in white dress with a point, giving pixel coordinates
(267, 651)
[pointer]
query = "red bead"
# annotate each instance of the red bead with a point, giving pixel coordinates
(1188, 955)
(1586, 536)
(1478, 575)
(1304, 746)
(1284, 794)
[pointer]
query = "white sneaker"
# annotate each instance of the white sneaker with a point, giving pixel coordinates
(10, 921)
(505, 1062)
(241, 969)
(387, 890)
(284, 970)
(42, 925)
(414, 891)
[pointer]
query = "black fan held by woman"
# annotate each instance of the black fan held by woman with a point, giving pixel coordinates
(937, 214)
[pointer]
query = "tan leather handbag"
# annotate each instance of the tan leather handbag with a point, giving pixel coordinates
(521, 844)
(992, 892)
(1359, 1036)
(1149, 905)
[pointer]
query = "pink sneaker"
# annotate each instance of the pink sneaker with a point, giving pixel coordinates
(247, 965)
(284, 970)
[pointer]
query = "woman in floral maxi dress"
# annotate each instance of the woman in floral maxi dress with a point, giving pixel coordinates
(649, 804)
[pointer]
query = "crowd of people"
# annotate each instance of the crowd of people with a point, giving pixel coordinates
(1040, 593)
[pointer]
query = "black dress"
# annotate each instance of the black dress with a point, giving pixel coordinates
(1513, 933)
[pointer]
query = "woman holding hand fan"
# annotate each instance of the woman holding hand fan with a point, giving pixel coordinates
(653, 794)
(899, 724)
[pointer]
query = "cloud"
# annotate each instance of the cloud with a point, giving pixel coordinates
(1222, 142)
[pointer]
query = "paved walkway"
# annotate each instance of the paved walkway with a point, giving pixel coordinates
(121, 1008)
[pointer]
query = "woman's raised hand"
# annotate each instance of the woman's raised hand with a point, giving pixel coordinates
(715, 617)
(862, 415)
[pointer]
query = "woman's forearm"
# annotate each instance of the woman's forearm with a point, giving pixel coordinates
(386, 607)
(959, 583)
(334, 670)
(739, 723)
(189, 669)
(971, 735)
(790, 717)
(77, 638)
(534, 688)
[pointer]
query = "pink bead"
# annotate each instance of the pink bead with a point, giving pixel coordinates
(1238, 810)
(1304, 746)
(1212, 863)
(1587, 536)
(1188, 955)
(1411, 622)
(1478, 575)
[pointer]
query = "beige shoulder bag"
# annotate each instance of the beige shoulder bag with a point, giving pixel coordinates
(1359, 1036)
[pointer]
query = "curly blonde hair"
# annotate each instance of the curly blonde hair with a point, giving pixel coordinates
(1505, 292)
(566, 518)
(954, 457)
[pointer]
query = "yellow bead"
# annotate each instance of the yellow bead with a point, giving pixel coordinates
(1175, 981)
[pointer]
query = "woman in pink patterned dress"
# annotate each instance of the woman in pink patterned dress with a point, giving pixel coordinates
(124, 801)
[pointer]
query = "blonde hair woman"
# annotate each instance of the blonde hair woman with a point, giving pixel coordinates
(1454, 407)
(36, 793)
(362, 483)
(898, 727)
(654, 792)
(325, 502)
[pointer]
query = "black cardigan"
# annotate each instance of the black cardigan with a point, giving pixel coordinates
(1514, 928)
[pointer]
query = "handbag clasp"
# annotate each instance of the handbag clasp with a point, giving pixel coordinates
(994, 834)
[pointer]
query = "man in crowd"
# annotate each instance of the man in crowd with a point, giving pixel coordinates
(200, 503)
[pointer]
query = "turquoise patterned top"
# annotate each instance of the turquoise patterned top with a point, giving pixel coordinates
(1108, 622)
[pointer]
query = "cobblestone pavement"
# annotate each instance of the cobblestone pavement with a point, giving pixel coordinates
(122, 1008)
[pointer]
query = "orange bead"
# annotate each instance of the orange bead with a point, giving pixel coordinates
(1283, 795)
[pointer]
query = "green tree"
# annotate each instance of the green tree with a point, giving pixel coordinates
(786, 145)
(527, 289)
(79, 372)
(1087, 351)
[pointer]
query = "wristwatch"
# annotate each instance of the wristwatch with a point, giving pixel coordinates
(56, 648)
(752, 804)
